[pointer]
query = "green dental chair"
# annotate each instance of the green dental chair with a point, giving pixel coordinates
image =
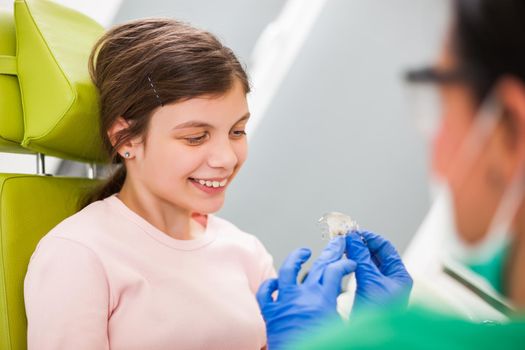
(48, 106)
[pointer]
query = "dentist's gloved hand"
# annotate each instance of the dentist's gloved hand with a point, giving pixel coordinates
(301, 307)
(381, 276)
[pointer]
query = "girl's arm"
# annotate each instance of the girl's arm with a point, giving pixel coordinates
(67, 297)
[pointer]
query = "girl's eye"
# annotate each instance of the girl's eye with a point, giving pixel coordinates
(196, 140)
(238, 133)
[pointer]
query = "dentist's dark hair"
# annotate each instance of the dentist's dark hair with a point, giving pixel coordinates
(488, 38)
(144, 64)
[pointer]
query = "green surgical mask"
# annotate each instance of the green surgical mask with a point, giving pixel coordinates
(493, 270)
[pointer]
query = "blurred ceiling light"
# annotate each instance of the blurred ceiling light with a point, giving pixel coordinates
(276, 50)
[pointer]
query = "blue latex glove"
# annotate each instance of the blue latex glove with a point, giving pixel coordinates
(381, 276)
(301, 307)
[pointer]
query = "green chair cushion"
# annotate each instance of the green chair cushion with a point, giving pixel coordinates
(30, 206)
(11, 117)
(59, 101)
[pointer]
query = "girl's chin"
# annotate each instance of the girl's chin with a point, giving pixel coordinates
(208, 208)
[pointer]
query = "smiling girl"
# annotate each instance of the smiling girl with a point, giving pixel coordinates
(145, 265)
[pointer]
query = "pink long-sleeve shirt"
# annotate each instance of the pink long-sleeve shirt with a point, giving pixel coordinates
(105, 278)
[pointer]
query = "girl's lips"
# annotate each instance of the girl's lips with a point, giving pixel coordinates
(206, 189)
(211, 179)
(211, 182)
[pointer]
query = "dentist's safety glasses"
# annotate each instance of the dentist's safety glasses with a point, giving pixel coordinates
(422, 86)
(335, 224)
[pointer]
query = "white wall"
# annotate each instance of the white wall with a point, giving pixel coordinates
(238, 23)
(338, 135)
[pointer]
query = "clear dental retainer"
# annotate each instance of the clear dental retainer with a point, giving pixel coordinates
(335, 224)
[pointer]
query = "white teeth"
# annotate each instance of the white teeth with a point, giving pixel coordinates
(214, 184)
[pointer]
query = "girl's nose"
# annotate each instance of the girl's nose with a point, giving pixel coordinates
(222, 155)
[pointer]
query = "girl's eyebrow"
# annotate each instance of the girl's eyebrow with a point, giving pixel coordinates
(243, 118)
(192, 124)
(198, 124)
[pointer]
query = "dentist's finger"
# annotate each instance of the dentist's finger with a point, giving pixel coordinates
(292, 265)
(334, 274)
(266, 289)
(333, 251)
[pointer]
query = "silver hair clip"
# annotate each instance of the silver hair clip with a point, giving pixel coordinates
(155, 91)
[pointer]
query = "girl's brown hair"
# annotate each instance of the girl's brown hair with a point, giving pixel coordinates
(144, 64)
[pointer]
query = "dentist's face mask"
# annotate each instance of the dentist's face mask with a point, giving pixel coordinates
(488, 255)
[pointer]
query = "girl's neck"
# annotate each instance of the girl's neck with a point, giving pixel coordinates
(174, 221)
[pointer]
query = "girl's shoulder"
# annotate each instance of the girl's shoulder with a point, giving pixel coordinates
(227, 229)
(94, 219)
(256, 260)
(228, 232)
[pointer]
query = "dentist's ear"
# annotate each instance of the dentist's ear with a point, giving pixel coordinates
(510, 155)
(512, 95)
(115, 134)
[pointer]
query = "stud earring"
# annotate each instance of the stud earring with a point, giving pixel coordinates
(127, 154)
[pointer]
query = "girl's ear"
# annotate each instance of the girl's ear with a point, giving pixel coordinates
(114, 133)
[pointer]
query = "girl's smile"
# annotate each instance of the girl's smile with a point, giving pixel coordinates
(210, 185)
